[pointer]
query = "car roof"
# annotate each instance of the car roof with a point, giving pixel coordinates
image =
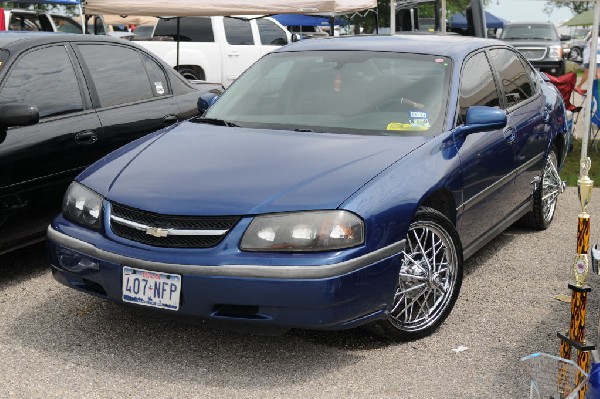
(453, 46)
(15, 40)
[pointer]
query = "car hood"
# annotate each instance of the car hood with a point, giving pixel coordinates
(199, 169)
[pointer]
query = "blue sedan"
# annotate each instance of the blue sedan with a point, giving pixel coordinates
(337, 183)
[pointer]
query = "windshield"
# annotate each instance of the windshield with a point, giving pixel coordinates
(530, 31)
(360, 92)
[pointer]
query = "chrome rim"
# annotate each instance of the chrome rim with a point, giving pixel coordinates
(427, 277)
(551, 184)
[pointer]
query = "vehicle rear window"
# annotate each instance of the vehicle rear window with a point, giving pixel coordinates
(191, 29)
(123, 79)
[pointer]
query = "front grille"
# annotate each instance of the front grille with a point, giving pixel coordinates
(533, 53)
(170, 222)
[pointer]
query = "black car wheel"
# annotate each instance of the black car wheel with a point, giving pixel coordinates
(429, 279)
(576, 55)
(545, 196)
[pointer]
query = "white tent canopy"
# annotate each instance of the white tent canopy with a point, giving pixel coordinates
(184, 8)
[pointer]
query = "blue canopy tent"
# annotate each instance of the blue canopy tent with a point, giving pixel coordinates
(305, 20)
(459, 20)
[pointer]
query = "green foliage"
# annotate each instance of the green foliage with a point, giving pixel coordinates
(576, 6)
(570, 169)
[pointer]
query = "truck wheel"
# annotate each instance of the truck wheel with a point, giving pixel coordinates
(192, 72)
(576, 55)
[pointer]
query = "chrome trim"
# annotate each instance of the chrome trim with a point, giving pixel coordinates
(168, 232)
(544, 49)
(249, 271)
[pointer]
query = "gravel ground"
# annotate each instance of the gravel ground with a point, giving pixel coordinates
(59, 343)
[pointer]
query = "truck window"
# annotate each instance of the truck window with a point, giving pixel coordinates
(118, 81)
(192, 29)
(238, 32)
(270, 33)
(46, 79)
(27, 22)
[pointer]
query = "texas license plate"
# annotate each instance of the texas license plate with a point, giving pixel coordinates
(148, 288)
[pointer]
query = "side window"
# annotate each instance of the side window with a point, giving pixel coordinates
(157, 77)
(477, 86)
(26, 22)
(270, 33)
(515, 80)
(46, 79)
(192, 29)
(238, 32)
(122, 80)
(66, 25)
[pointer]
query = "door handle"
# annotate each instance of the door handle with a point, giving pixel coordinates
(170, 119)
(234, 54)
(86, 137)
(509, 134)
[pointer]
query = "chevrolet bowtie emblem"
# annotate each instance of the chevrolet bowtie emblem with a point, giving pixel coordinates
(157, 232)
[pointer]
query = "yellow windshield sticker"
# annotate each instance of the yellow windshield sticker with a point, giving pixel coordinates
(407, 126)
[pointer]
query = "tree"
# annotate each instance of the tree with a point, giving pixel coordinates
(576, 6)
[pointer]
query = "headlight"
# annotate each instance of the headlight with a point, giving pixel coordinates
(555, 52)
(83, 206)
(304, 232)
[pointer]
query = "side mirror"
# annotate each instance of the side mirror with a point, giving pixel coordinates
(206, 100)
(296, 37)
(481, 119)
(564, 38)
(18, 115)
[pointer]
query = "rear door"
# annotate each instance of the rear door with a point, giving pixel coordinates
(239, 50)
(525, 109)
(38, 162)
(130, 91)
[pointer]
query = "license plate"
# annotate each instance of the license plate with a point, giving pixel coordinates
(148, 288)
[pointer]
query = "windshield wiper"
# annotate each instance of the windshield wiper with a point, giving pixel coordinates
(215, 121)
(304, 130)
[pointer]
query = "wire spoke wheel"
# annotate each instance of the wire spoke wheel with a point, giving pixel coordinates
(545, 196)
(551, 184)
(427, 277)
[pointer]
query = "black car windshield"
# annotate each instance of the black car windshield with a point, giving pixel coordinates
(361, 92)
(530, 32)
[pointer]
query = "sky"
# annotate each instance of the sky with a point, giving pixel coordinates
(530, 10)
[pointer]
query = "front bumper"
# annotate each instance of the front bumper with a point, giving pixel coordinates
(329, 296)
(551, 66)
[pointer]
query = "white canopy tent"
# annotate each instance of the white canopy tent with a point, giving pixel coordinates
(185, 8)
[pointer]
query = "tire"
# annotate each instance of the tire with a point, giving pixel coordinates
(191, 73)
(424, 297)
(576, 55)
(545, 196)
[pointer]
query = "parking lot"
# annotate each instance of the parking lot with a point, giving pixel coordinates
(58, 343)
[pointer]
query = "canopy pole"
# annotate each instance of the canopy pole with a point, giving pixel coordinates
(590, 83)
(82, 16)
(443, 17)
(392, 17)
(178, 39)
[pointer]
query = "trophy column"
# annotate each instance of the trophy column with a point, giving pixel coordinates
(579, 291)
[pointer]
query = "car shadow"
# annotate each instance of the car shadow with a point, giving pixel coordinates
(103, 336)
(23, 264)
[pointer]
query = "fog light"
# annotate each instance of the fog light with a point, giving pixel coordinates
(75, 262)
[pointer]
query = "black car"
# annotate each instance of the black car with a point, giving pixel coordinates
(539, 42)
(65, 101)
